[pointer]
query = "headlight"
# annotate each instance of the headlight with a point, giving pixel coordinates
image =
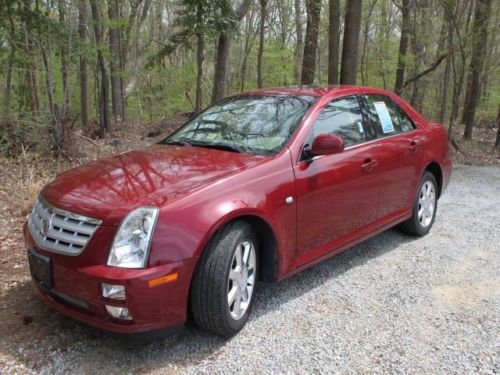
(130, 247)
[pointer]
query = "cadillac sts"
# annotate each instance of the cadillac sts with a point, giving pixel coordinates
(255, 188)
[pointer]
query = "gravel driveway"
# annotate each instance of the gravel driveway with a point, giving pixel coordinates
(391, 304)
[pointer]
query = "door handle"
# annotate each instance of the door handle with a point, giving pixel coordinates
(413, 146)
(369, 165)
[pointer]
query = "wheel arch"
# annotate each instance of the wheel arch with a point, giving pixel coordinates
(268, 247)
(434, 168)
(268, 242)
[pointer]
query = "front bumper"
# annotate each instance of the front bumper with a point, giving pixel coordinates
(76, 292)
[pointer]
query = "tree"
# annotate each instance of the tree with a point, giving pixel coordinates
(230, 16)
(198, 18)
(82, 32)
(262, 28)
(333, 42)
(403, 45)
(64, 56)
(479, 42)
(299, 45)
(349, 66)
(497, 142)
(311, 41)
(11, 60)
(104, 92)
(115, 49)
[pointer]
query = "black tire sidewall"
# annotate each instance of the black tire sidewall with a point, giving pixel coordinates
(208, 295)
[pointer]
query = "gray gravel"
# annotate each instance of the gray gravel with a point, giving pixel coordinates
(393, 304)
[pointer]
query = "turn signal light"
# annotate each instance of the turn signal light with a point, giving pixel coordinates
(163, 279)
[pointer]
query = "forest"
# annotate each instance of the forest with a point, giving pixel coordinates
(90, 67)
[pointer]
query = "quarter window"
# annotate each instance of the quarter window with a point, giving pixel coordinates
(341, 117)
(404, 120)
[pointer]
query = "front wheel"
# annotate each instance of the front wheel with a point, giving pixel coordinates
(424, 208)
(223, 288)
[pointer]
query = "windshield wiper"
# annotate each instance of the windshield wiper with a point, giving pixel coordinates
(180, 142)
(217, 146)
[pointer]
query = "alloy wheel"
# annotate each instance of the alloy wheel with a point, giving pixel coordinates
(241, 279)
(426, 203)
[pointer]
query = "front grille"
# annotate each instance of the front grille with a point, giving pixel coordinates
(60, 231)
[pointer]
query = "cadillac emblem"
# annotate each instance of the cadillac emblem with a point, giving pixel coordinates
(45, 226)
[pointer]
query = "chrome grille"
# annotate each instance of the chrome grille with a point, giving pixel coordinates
(58, 230)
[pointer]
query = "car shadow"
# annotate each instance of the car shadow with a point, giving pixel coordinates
(30, 330)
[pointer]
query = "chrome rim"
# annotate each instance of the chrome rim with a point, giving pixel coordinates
(241, 279)
(426, 204)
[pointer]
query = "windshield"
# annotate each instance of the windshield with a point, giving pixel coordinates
(259, 125)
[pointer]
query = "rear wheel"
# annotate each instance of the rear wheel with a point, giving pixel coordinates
(222, 292)
(424, 208)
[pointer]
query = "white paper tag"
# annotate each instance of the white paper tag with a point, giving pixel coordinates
(384, 116)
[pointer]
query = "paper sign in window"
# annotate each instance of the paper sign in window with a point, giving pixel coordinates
(384, 116)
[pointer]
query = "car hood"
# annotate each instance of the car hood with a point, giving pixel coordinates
(108, 189)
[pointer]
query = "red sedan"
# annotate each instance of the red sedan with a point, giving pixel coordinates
(256, 188)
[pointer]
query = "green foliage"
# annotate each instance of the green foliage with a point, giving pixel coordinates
(160, 62)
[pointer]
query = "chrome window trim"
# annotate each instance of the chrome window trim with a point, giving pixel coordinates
(354, 146)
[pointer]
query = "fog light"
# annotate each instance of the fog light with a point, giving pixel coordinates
(113, 291)
(119, 312)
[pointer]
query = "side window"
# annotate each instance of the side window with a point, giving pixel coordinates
(383, 119)
(341, 117)
(404, 120)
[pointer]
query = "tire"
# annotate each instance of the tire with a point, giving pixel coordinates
(217, 274)
(420, 225)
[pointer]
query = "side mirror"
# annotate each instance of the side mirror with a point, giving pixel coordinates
(326, 144)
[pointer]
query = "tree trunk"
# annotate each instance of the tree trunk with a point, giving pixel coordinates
(8, 84)
(260, 54)
(350, 46)
(64, 59)
(57, 123)
(447, 68)
(250, 36)
(333, 42)
(299, 46)
(480, 35)
(104, 94)
(199, 71)
(115, 63)
(8, 80)
(82, 32)
(32, 79)
(311, 41)
(403, 45)
(222, 59)
(497, 142)
(221, 64)
(365, 50)
(34, 87)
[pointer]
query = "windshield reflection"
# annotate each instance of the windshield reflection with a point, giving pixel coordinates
(251, 124)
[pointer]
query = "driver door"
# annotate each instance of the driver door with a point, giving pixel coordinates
(337, 195)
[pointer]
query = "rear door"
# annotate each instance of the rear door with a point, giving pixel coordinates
(399, 153)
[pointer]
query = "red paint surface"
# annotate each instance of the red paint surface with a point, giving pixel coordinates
(339, 200)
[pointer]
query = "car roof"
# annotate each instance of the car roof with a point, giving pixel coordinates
(312, 90)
